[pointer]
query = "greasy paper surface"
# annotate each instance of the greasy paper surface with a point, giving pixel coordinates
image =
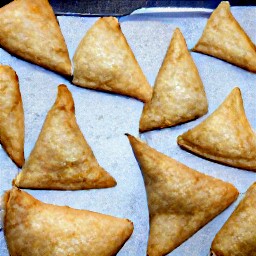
(104, 118)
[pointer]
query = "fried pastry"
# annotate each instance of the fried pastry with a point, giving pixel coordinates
(30, 30)
(11, 115)
(237, 237)
(178, 94)
(225, 39)
(180, 200)
(225, 136)
(61, 158)
(35, 228)
(105, 61)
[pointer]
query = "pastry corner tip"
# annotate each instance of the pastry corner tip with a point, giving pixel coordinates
(129, 136)
(180, 140)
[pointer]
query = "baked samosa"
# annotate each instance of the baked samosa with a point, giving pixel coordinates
(238, 235)
(61, 158)
(178, 93)
(225, 39)
(225, 136)
(32, 227)
(11, 115)
(180, 200)
(104, 61)
(30, 30)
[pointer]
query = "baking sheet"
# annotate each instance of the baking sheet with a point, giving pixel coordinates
(104, 118)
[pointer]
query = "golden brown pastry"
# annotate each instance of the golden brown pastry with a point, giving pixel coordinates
(11, 115)
(35, 228)
(225, 39)
(225, 136)
(180, 200)
(61, 158)
(105, 61)
(238, 235)
(178, 94)
(30, 30)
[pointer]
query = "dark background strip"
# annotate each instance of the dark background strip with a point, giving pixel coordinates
(124, 7)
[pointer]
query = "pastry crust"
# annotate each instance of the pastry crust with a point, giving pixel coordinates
(178, 94)
(30, 30)
(35, 228)
(11, 115)
(61, 158)
(225, 39)
(180, 199)
(225, 136)
(237, 237)
(104, 61)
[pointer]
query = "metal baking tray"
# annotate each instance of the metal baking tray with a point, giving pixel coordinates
(104, 118)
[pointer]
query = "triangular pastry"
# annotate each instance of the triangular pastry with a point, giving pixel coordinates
(30, 30)
(225, 39)
(225, 136)
(35, 228)
(238, 235)
(105, 61)
(178, 94)
(11, 115)
(61, 158)
(180, 200)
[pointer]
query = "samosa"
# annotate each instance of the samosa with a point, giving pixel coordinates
(61, 158)
(180, 199)
(178, 93)
(32, 227)
(225, 39)
(11, 115)
(225, 136)
(104, 61)
(237, 236)
(30, 30)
